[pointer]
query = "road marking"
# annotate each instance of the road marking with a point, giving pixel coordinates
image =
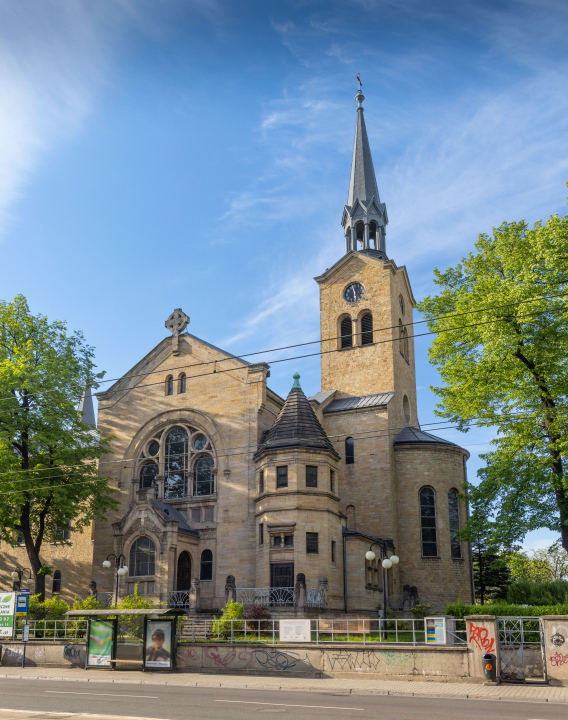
(69, 692)
(321, 707)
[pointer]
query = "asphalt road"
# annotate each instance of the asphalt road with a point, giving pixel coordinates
(191, 703)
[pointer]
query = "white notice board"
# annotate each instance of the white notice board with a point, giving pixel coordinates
(295, 631)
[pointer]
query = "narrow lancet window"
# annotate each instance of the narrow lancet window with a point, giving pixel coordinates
(367, 329)
(454, 510)
(346, 333)
(428, 522)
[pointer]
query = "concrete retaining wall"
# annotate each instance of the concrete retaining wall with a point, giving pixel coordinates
(448, 664)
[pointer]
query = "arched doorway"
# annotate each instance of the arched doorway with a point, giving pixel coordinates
(184, 571)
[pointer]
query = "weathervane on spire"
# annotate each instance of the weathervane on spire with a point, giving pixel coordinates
(359, 97)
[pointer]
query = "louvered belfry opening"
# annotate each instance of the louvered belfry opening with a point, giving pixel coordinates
(346, 333)
(367, 329)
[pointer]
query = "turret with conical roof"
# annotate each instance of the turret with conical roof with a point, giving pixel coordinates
(365, 216)
(296, 425)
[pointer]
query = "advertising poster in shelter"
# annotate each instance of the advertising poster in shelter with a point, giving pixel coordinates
(158, 648)
(99, 648)
(7, 609)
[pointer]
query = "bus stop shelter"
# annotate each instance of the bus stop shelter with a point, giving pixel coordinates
(122, 639)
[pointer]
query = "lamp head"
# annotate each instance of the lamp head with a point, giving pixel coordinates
(394, 559)
(106, 563)
(121, 571)
(28, 581)
(387, 564)
(370, 555)
(14, 575)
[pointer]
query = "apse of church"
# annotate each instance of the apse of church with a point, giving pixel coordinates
(220, 478)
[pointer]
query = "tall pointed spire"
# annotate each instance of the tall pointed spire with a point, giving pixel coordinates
(364, 217)
(86, 408)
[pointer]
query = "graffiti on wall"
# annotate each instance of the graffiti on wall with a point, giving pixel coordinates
(347, 660)
(71, 653)
(558, 660)
(480, 636)
(227, 656)
(278, 660)
(558, 639)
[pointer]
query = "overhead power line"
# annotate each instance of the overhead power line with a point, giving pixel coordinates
(330, 339)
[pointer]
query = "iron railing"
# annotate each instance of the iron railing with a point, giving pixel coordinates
(333, 630)
(315, 597)
(266, 597)
(179, 599)
(54, 629)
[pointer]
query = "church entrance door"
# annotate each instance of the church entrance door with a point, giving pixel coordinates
(282, 584)
(184, 571)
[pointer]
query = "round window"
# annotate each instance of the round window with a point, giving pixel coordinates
(153, 448)
(200, 442)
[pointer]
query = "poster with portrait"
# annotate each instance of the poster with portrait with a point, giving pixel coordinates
(99, 643)
(158, 645)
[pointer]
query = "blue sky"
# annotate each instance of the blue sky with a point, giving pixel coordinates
(195, 153)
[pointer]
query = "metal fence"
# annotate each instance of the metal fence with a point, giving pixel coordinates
(334, 630)
(54, 629)
(521, 652)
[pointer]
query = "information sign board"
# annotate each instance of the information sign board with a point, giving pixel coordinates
(7, 608)
(22, 600)
(295, 631)
(25, 632)
(435, 630)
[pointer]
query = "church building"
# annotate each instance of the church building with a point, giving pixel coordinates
(220, 477)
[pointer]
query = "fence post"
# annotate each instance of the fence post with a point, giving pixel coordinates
(555, 647)
(194, 594)
(324, 593)
(230, 590)
(300, 594)
(482, 635)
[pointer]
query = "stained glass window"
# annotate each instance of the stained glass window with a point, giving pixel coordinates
(149, 477)
(454, 509)
(203, 483)
(142, 558)
(428, 522)
(176, 460)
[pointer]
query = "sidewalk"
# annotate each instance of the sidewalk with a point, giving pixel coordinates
(534, 693)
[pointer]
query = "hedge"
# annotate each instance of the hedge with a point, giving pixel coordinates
(459, 610)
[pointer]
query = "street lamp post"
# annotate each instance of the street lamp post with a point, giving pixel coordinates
(17, 576)
(387, 562)
(120, 570)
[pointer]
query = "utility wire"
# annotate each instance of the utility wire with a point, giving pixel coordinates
(330, 339)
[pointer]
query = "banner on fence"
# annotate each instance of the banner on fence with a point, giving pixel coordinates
(295, 631)
(7, 609)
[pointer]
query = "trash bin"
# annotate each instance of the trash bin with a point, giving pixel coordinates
(490, 667)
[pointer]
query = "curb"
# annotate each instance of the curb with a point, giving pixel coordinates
(345, 691)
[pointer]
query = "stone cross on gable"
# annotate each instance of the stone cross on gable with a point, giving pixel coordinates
(176, 323)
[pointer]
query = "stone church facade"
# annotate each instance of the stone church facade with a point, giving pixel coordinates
(219, 476)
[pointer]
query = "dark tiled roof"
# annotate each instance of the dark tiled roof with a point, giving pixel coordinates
(168, 512)
(411, 435)
(296, 426)
(361, 401)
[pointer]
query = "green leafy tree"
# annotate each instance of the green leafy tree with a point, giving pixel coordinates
(491, 574)
(504, 364)
(48, 471)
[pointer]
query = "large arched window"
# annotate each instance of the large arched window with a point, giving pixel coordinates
(149, 477)
(428, 522)
(142, 558)
(367, 329)
(349, 451)
(56, 586)
(203, 483)
(346, 333)
(206, 572)
(454, 510)
(184, 571)
(176, 462)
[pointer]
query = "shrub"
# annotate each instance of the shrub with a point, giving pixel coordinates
(421, 611)
(232, 611)
(51, 609)
(257, 612)
(525, 592)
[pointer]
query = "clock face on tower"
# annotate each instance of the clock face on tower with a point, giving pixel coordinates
(354, 292)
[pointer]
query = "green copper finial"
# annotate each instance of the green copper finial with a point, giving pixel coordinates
(296, 384)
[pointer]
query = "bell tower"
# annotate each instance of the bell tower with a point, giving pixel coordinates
(366, 301)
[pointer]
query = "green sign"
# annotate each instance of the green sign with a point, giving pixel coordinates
(7, 609)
